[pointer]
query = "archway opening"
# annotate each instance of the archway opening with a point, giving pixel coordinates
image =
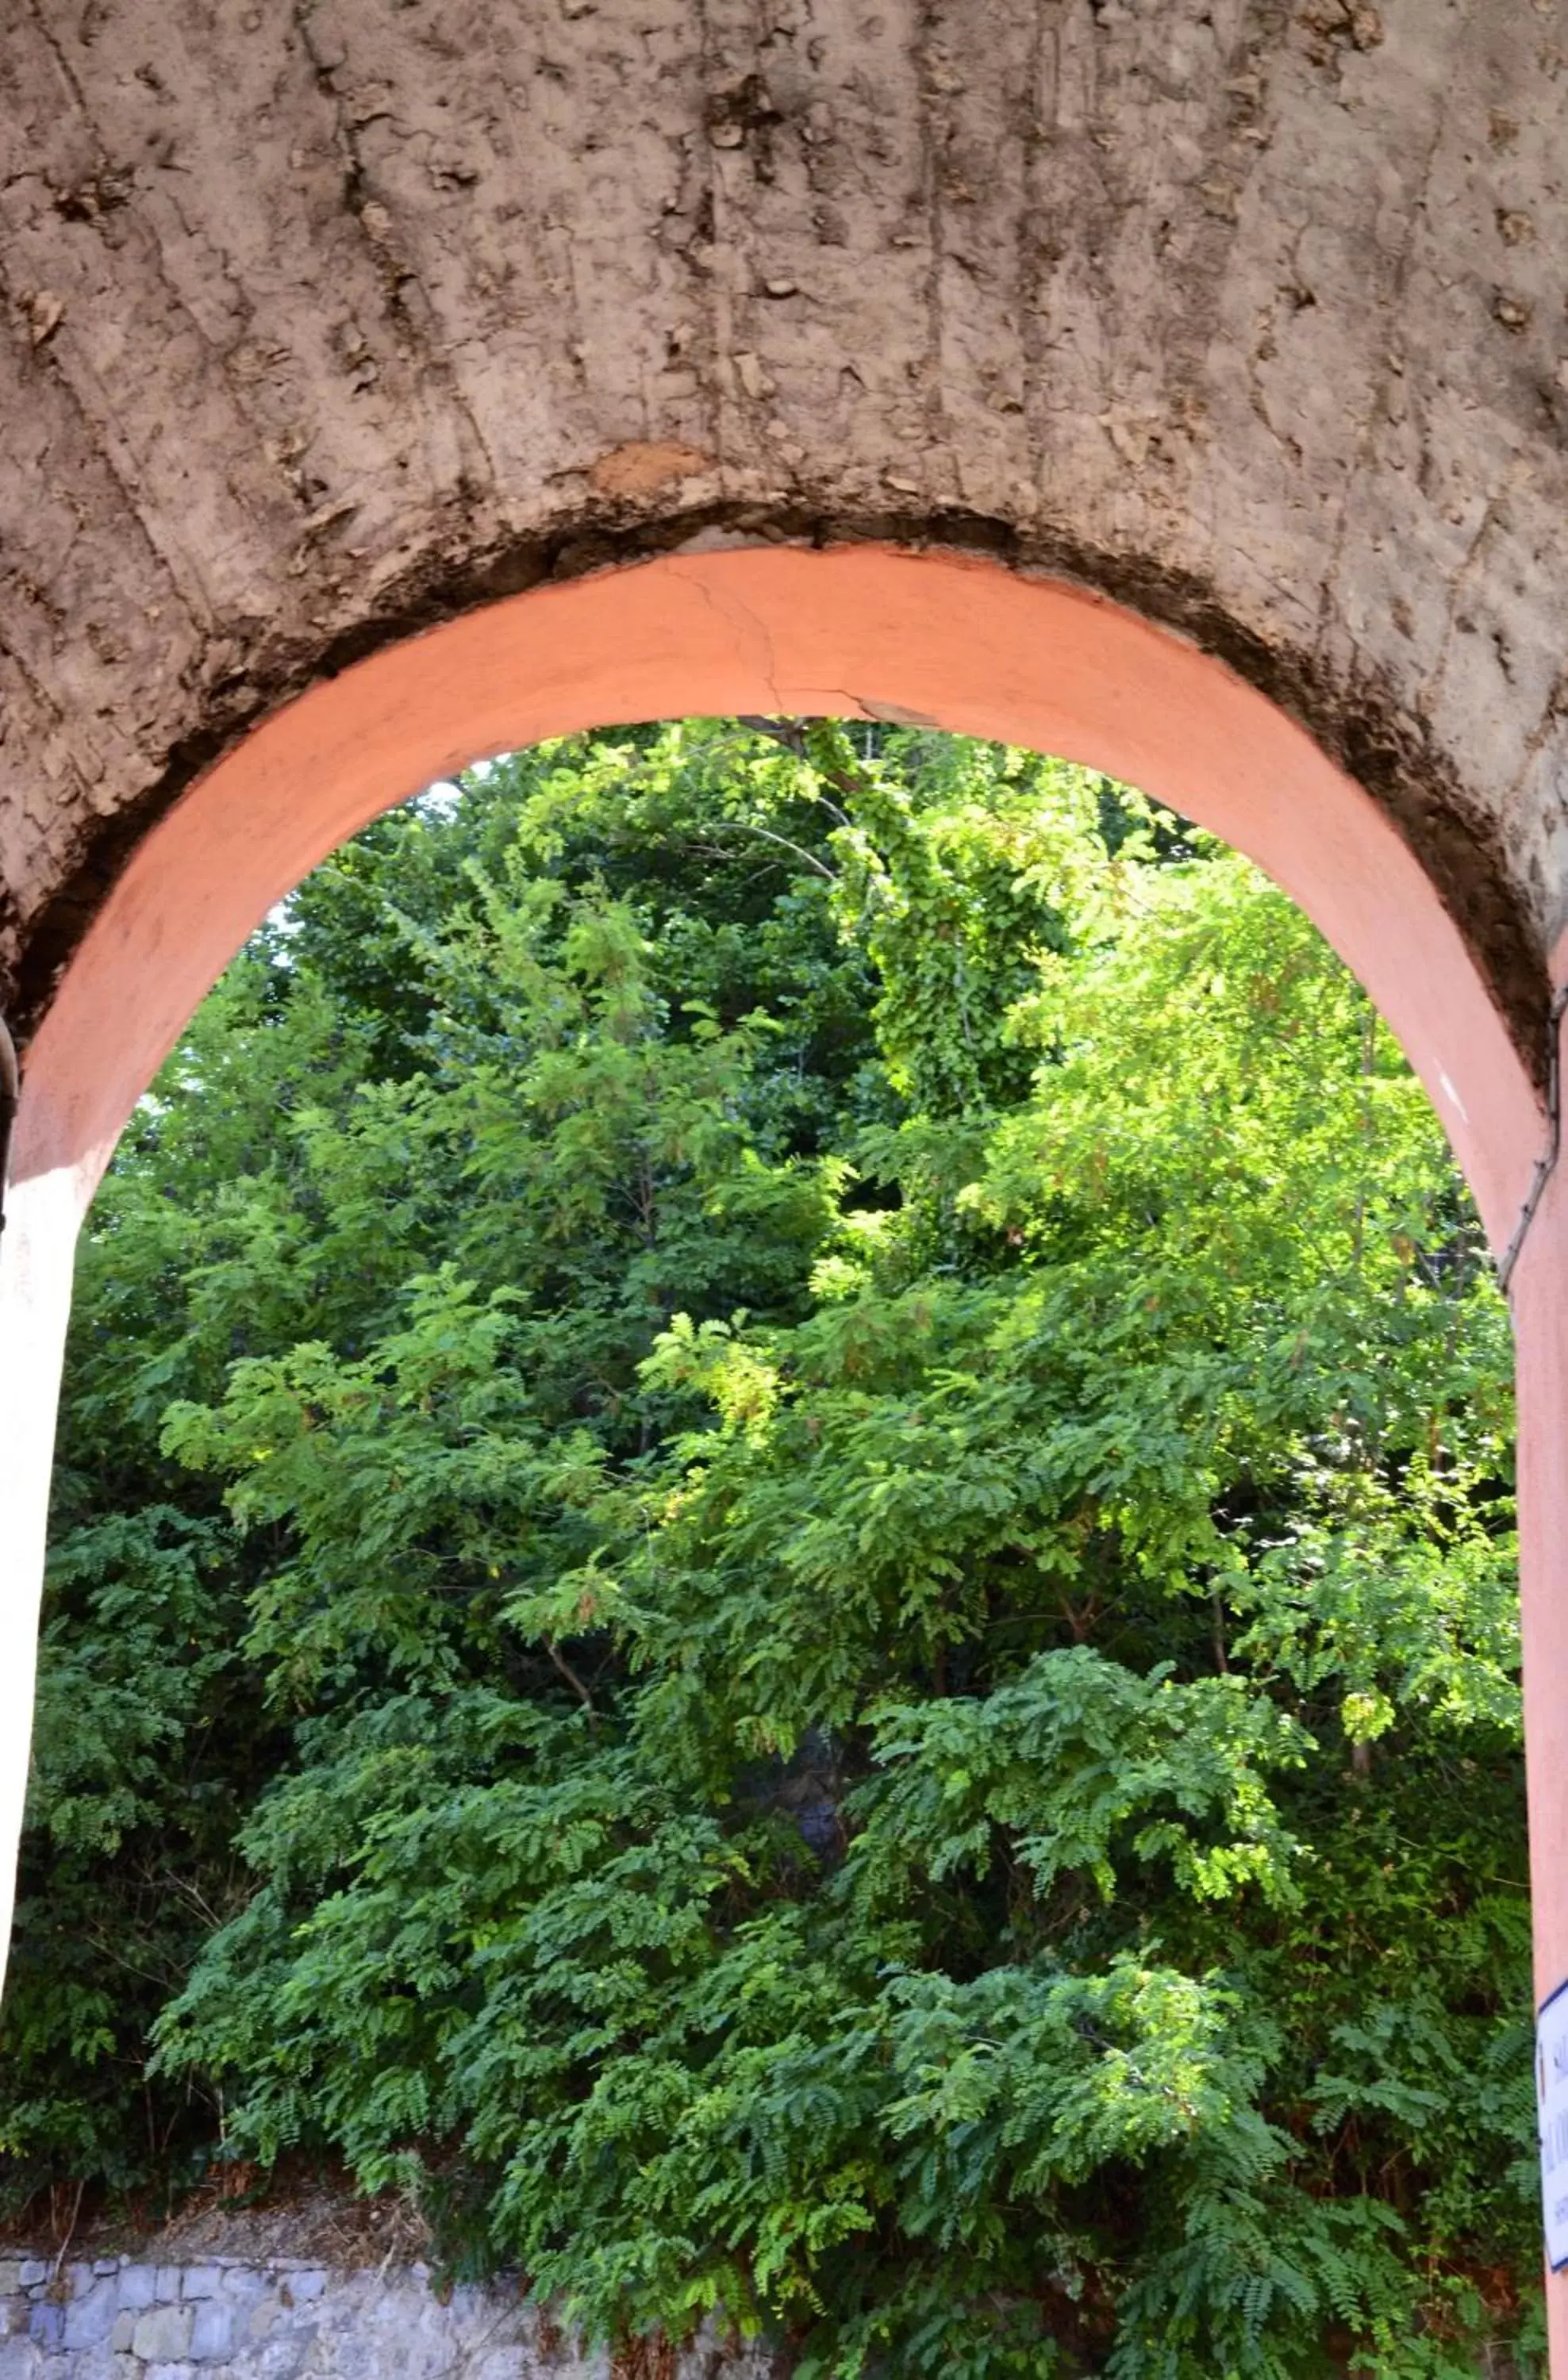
(1311, 824)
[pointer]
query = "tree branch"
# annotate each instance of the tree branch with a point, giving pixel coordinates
(571, 1677)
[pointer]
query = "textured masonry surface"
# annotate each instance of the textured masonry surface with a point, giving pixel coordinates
(318, 322)
(116, 2320)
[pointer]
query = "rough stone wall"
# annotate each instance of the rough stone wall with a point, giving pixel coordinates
(320, 319)
(116, 2320)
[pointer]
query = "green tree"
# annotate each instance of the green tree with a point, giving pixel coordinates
(864, 1443)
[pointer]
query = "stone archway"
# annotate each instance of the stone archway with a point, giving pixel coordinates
(956, 641)
(324, 323)
(325, 319)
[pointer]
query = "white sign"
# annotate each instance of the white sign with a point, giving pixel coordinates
(1551, 2104)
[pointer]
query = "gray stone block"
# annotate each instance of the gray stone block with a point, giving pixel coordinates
(10, 2275)
(93, 2363)
(46, 2324)
(106, 2265)
(33, 2273)
(212, 2333)
(262, 2318)
(306, 2284)
(137, 2285)
(202, 2281)
(162, 2333)
(123, 2332)
(166, 2288)
(282, 2357)
(90, 2317)
(506, 2364)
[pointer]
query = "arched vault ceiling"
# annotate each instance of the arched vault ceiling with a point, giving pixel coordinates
(319, 321)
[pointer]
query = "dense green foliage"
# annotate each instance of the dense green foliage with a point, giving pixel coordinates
(784, 1567)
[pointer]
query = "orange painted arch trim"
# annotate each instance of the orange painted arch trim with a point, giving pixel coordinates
(861, 630)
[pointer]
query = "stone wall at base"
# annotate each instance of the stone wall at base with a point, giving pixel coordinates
(114, 2319)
